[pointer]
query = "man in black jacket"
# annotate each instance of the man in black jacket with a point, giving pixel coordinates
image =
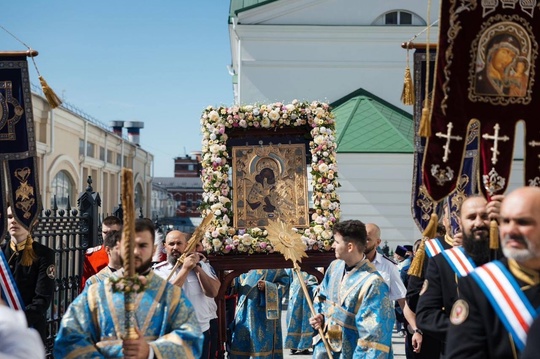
(32, 265)
(478, 330)
(440, 289)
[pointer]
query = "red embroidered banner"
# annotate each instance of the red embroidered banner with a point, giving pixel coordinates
(486, 70)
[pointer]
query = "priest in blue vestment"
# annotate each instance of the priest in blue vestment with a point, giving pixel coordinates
(93, 326)
(257, 325)
(355, 310)
(299, 334)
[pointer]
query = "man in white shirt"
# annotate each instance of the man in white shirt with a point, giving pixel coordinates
(390, 273)
(197, 280)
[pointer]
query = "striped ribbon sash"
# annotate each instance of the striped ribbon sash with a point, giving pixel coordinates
(510, 303)
(459, 261)
(10, 292)
(433, 247)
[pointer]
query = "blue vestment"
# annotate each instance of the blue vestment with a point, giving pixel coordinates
(299, 331)
(257, 326)
(94, 322)
(100, 276)
(356, 303)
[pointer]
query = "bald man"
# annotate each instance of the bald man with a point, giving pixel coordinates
(196, 278)
(482, 322)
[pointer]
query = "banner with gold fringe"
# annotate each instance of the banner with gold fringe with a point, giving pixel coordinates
(486, 71)
(422, 205)
(18, 154)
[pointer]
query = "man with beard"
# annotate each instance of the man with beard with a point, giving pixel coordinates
(196, 278)
(498, 300)
(440, 289)
(167, 326)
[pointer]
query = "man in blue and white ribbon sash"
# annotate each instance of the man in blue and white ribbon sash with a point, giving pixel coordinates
(500, 300)
(440, 289)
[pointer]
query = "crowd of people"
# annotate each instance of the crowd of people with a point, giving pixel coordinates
(449, 297)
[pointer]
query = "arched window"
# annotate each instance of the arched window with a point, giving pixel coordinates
(138, 196)
(62, 187)
(399, 17)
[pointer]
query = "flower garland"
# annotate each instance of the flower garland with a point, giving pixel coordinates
(126, 284)
(217, 197)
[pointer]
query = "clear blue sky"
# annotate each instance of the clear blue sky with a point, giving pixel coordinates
(160, 62)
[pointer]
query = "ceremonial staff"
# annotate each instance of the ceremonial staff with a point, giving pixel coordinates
(128, 241)
(288, 242)
(193, 241)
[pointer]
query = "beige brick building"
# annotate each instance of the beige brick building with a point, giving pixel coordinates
(72, 145)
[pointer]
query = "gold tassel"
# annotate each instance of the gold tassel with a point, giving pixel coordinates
(417, 264)
(407, 96)
(493, 234)
(431, 228)
(424, 130)
(28, 256)
(53, 100)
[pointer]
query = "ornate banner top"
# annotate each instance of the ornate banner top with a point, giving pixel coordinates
(486, 71)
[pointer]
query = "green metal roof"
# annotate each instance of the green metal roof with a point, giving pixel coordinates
(366, 123)
(243, 5)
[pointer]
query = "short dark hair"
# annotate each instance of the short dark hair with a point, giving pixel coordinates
(112, 238)
(111, 221)
(352, 231)
(145, 224)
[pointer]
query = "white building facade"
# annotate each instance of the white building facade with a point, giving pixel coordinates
(325, 50)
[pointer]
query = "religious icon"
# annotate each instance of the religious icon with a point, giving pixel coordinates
(270, 182)
(502, 64)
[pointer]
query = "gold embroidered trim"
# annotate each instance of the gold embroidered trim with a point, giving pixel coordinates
(373, 345)
(77, 353)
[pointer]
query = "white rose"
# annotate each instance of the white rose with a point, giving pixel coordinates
(325, 204)
(323, 168)
(216, 242)
(265, 122)
(213, 115)
(326, 234)
(214, 148)
(274, 115)
(319, 139)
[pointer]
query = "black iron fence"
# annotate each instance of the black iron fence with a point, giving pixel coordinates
(69, 232)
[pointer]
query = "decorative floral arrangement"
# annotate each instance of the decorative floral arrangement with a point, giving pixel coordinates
(135, 284)
(217, 196)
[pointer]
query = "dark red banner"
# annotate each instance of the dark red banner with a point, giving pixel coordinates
(485, 73)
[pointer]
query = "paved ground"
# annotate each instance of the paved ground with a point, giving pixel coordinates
(398, 343)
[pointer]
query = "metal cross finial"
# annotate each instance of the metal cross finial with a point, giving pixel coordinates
(495, 137)
(448, 137)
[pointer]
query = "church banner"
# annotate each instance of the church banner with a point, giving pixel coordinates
(485, 77)
(422, 205)
(18, 161)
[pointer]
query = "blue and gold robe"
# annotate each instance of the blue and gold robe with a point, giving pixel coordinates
(299, 331)
(257, 325)
(100, 276)
(94, 322)
(357, 303)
